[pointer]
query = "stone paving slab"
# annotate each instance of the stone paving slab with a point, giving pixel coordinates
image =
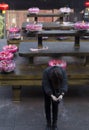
(29, 113)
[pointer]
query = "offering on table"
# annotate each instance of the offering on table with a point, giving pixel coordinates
(33, 10)
(10, 48)
(14, 29)
(6, 55)
(56, 62)
(7, 66)
(14, 33)
(65, 10)
(34, 27)
(81, 25)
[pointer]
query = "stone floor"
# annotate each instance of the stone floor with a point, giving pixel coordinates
(29, 113)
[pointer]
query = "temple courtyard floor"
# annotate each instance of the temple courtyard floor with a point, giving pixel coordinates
(28, 114)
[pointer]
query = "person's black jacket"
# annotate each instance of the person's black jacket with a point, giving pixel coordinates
(46, 85)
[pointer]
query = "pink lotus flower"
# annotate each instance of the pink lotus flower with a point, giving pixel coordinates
(6, 55)
(34, 27)
(33, 10)
(10, 48)
(14, 29)
(81, 25)
(65, 10)
(7, 66)
(56, 62)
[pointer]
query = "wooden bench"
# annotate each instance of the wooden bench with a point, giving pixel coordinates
(50, 26)
(55, 50)
(27, 74)
(36, 16)
(54, 33)
(31, 75)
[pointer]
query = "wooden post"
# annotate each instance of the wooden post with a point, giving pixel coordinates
(36, 19)
(16, 93)
(77, 41)
(39, 41)
(61, 19)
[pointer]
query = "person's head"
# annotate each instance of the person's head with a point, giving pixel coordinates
(55, 76)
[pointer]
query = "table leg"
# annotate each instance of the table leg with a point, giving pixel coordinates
(39, 41)
(36, 19)
(16, 93)
(61, 20)
(31, 60)
(77, 42)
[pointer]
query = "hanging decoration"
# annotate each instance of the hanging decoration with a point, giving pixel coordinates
(1, 26)
(87, 4)
(4, 7)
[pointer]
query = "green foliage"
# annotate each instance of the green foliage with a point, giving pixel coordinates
(1, 26)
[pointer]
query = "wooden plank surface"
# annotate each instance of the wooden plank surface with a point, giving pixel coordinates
(51, 25)
(54, 33)
(45, 15)
(26, 74)
(54, 49)
(62, 33)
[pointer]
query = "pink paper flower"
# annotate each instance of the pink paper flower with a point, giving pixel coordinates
(81, 25)
(7, 66)
(56, 62)
(34, 27)
(14, 29)
(10, 48)
(33, 10)
(65, 10)
(6, 55)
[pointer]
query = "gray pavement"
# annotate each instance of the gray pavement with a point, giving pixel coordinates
(29, 113)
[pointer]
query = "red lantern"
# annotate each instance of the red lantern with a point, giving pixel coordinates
(87, 4)
(4, 6)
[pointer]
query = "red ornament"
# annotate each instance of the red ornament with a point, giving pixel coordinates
(87, 4)
(4, 6)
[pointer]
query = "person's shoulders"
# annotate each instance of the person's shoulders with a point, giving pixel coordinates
(61, 70)
(52, 67)
(47, 69)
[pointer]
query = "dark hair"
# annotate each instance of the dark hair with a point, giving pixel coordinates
(55, 77)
